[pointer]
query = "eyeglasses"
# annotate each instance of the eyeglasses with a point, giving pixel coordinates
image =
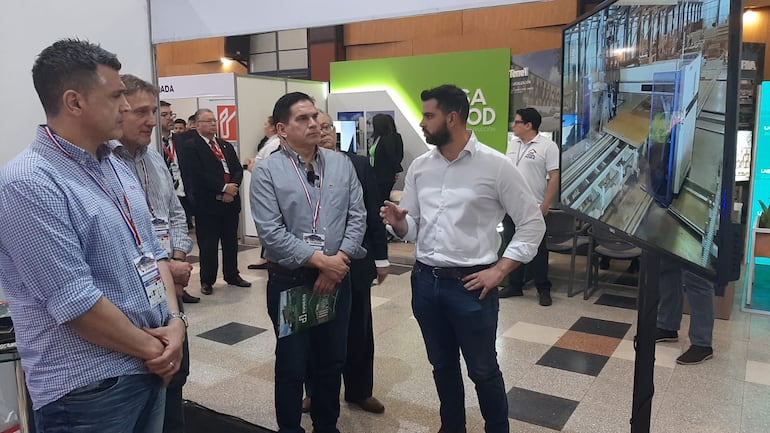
(208, 121)
(519, 122)
(327, 128)
(165, 115)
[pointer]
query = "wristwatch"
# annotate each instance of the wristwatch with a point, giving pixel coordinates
(180, 315)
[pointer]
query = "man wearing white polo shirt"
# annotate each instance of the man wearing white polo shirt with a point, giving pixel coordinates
(537, 158)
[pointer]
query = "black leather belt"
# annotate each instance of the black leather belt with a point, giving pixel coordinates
(300, 273)
(453, 273)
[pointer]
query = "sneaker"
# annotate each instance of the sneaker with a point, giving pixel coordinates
(509, 291)
(544, 298)
(664, 335)
(695, 355)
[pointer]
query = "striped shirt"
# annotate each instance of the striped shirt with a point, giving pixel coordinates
(64, 245)
(150, 169)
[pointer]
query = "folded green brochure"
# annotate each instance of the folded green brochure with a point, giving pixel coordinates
(301, 309)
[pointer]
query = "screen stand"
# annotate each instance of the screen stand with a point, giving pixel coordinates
(644, 342)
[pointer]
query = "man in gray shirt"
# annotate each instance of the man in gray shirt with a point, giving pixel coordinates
(308, 207)
(168, 217)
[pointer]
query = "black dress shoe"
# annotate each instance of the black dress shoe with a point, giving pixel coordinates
(190, 299)
(206, 289)
(509, 291)
(238, 281)
(258, 266)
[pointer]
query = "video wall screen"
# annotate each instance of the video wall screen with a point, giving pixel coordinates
(645, 88)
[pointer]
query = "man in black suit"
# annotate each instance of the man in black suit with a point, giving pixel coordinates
(212, 174)
(359, 364)
(386, 154)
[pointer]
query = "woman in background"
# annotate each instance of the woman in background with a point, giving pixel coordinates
(385, 154)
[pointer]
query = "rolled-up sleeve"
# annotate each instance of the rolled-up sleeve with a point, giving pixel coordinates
(520, 204)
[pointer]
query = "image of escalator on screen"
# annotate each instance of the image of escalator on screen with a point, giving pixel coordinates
(645, 134)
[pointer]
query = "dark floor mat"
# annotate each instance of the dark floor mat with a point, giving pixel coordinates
(199, 419)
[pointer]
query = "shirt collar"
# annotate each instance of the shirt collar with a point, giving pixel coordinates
(534, 140)
(295, 156)
(206, 139)
(470, 147)
(77, 153)
(120, 150)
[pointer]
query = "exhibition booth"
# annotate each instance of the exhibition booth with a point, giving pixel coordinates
(241, 104)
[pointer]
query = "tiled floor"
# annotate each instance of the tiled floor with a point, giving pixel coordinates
(568, 367)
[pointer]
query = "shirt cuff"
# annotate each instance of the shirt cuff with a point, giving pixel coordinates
(382, 263)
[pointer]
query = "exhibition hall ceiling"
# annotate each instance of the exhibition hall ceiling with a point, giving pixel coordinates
(203, 19)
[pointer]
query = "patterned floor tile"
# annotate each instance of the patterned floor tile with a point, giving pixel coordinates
(539, 409)
(231, 333)
(573, 360)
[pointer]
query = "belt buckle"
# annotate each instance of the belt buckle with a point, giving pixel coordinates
(435, 274)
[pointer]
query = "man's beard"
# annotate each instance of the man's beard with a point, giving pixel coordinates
(439, 138)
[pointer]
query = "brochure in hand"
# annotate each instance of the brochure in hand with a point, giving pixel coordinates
(300, 309)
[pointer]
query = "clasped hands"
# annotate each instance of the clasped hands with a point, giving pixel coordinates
(332, 271)
(231, 190)
(167, 350)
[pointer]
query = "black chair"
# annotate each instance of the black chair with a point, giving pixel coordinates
(564, 235)
(605, 244)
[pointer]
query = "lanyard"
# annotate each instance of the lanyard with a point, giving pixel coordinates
(307, 193)
(125, 213)
(168, 147)
(146, 187)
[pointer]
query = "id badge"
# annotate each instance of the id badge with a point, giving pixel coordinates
(149, 273)
(315, 240)
(162, 232)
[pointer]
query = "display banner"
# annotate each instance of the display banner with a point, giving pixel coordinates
(760, 184)
(196, 86)
(484, 75)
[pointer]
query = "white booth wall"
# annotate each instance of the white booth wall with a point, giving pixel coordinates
(26, 27)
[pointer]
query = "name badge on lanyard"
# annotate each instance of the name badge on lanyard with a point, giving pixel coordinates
(162, 232)
(315, 240)
(149, 273)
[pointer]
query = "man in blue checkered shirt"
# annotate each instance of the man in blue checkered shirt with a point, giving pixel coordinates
(97, 321)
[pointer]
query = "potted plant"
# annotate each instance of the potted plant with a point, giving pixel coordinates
(762, 237)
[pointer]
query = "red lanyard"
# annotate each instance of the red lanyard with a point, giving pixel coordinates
(125, 213)
(307, 193)
(168, 147)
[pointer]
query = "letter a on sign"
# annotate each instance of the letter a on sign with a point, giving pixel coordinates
(227, 128)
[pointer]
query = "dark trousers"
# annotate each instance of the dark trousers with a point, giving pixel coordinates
(173, 422)
(211, 229)
(321, 349)
(385, 188)
(454, 319)
(537, 268)
(187, 210)
(359, 365)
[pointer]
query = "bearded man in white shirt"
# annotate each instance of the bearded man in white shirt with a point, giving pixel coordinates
(454, 195)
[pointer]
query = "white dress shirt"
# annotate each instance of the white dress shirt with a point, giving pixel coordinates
(455, 207)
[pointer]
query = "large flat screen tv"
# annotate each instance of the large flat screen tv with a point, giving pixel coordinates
(650, 89)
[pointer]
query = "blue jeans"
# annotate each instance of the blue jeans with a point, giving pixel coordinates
(700, 294)
(123, 404)
(321, 349)
(451, 319)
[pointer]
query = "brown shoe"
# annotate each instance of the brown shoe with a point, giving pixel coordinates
(306, 405)
(370, 404)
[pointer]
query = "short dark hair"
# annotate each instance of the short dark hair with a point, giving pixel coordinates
(200, 111)
(164, 103)
(68, 64)
(530, 115)
(282, 108)
(135, 84)
(449, 98)
(180, 121)
(191, 118)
